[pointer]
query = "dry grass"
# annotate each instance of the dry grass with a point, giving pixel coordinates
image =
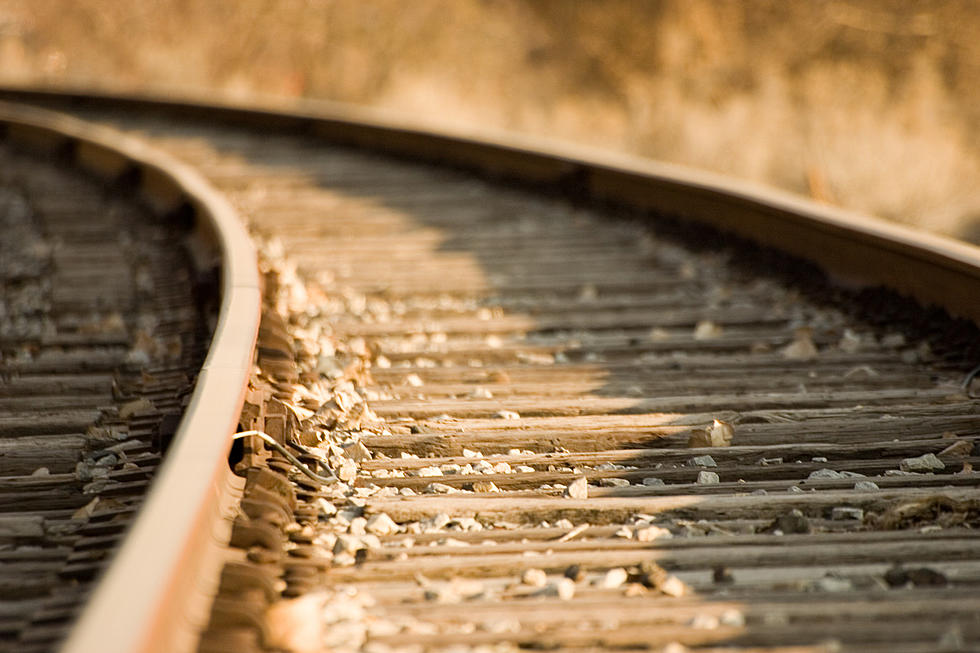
(870, 105)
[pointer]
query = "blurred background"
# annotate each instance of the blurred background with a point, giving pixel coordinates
(868, 104)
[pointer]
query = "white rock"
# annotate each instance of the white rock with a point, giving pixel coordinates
(624, 532)
(295, 624)
(506, 414)
(673, 586)
(349, 544)
(651, 533)
(357, 526)
(578, 489)
(802, 348)
(534, 577)
(707, 330)
(428, 471)
(438, 521)
(381, 524)
(563, 588)
(347, 471)
(652, 481)
(721, 433)
(439, 488)
(483, 467)
(705, 622)
(414, 380)
(733, 617)
(613, 578)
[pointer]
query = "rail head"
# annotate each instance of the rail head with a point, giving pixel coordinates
(156, 593)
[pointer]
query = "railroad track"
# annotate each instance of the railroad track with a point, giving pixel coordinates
(568, 412)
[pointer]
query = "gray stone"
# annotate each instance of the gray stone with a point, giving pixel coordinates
(614, 482)
(865, 486)
(823, 474)
(924, 463)
(708, 478)
(702, 461)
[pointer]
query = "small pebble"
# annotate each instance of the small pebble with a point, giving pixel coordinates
(506, 414)
(924, 463)
(381, 525)
(614, 482)
(704, 622)
(563, 588)
(624, 532)
(574, 573)
(707, 330)
(577, 489)
(439, 488)
(652, 481)
(960, 449)
(866, 486)
(722, 576)
(534, 577)
(651, 533)
(358, 526)
(708, 478)
(732, 617)
(846, 512)
(791, 523)
(830, 583)
(485, 486)
(613, 578)
(702, 461)
(823, 474)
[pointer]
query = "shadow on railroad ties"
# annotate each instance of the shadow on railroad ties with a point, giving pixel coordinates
(615, 338)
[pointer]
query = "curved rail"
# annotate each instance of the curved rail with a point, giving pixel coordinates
(155, 596)
(854, 249)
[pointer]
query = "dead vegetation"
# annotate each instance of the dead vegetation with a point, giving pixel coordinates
(867, 105)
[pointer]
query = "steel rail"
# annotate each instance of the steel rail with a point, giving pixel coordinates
(854, 249)
(156, 594)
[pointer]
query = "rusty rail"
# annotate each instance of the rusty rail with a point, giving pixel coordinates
(157, 593)
(854, 249)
